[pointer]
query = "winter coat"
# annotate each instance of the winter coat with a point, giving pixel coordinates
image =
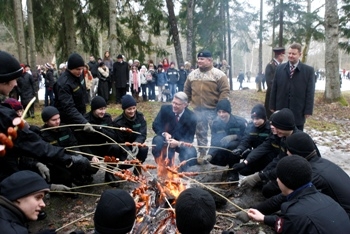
(143, 74)
(172, 75)
(235, 126)
(12, 219)
(63, 137)
(93, 66)
(270, 71)
(254, 136)
(120, 74)
(69, 98)
(182, 77)
(327, 177)
(28, 144)
(49, 80)
(296, 93)
(309, 211)
(205, 89)
(184, 130)
(137, 124)
(161, 78)
(151, 76)
(26, 87)
(96, 138)
(103, 73)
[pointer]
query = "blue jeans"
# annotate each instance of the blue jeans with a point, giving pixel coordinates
(172, 88)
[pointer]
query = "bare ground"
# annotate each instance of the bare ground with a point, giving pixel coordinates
(328, 126)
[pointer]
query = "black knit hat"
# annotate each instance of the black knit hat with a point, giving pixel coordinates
(224, 104)
(283, 119)
(21, 184)
(119, 56)
(48, 112)
(294, 171)
(14, 104)
(98, 102)
(75, 61)
(300, 143)
(115, 212)
(127, 101)
(204, 54)
(258, 111)
(195, 211)
(10, 68)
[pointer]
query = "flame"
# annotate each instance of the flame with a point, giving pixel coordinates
(172, 183)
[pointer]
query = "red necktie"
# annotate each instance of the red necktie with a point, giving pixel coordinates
(292, 69)
(177, 117)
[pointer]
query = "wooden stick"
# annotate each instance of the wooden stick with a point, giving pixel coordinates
(82, 125)
(74, 221)
(87, 154)
(98, 184)
(207, 187)
(27, 108)
(229, 182)
(87, 194)
(96, 145)
(225, 214)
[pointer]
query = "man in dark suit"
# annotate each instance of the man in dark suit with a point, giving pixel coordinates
(270, 71)
(294, 87)
(175, 125)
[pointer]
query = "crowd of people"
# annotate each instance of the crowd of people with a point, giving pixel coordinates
(272, 153)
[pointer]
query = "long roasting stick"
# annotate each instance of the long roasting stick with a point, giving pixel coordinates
(94, 125)
(74, 221)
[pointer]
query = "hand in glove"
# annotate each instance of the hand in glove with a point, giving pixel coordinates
(59, 187)
(44, 171)
(227, 139)
(237, 152)
(130, 155)
(243, 216)
(239, 166)
(250, 181)
(79, 163)
(88, 128)
(246, 153)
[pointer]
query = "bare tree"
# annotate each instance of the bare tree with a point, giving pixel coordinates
(20, 31)
(189, 33)
(31, 33)
(280, 35)
(113, 28)
(174, 32)
(332, 89)
(69, 27)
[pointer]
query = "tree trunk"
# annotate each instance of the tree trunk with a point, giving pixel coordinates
(174, 32)
(260, 37)
(69, 28)
(273, 27)
(113, 38)
(21, 45)
(307, 36)
(280, 35)
(189, 33)
(332, 90)
(229, 44)
(32, 49)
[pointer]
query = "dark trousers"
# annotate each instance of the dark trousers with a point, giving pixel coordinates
(151, 90)
(103, 90)
(144, 91)
(119, 93)
(49, 94)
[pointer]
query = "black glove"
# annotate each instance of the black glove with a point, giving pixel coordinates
(246, 153)
(79, 163)
(237, 152)
(239, 166)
